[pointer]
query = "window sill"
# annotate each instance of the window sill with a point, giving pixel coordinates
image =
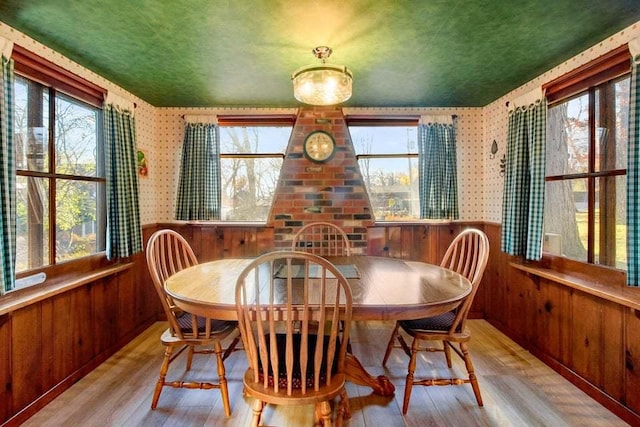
(627, 296)
(422, 222)
(220, 223)
(15, 300)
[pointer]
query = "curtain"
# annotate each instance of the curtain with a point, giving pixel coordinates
(199, 185)
(633, 178)
(124, 232)
(524, 188)
(8, 172)
(438, 177)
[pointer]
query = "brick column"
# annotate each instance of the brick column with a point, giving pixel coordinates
(332, 191)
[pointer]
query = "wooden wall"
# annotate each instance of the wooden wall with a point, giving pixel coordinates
(48, 345)
(591, 341)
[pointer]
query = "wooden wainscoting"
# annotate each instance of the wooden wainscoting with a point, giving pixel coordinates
(54, 334)
(592, 341)
(591, 338)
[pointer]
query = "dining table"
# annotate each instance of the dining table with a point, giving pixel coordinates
(383, 288)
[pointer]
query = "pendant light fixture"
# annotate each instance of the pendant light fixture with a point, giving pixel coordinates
(324, 83)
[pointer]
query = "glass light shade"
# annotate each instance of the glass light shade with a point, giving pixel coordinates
(324, 84)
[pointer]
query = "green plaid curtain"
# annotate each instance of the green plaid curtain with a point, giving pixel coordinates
(523, 199)
(8, 184)
(124, 232)
(199, 185)
(633, 179)
(438, 185)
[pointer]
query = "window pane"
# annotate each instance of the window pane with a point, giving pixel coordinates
(76, 218)
(32, 222)
(31, 131)
(392, 184)
(76, 138)
(248, 186)
(612, 122)
(622, 91)
(610, 237)
(568, 137)
(259, 139)
(566, 218)
(384, 139)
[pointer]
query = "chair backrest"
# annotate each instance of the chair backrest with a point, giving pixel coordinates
(322, 238)
(467, 255)
(168, 253)
(290, 307)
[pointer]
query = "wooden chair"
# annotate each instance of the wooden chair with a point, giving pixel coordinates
(322, 238)
(167, 253)
(275, 294)
(467, 255)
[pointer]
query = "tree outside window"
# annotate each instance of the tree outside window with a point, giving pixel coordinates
(585, 208)
(60, 179)
(388, 160)
(250, 159)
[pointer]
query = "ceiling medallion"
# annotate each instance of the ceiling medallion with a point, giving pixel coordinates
(322, 84)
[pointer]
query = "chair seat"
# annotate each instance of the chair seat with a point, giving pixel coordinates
(281, 340)
(441, 322)
(217, 326)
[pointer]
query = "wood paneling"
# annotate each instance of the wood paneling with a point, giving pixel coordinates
(5, 366)
(48, 344)
(552, 321)
(592, 341)
(632, 360)
(26, 357)
(586, 335)
(63, 345)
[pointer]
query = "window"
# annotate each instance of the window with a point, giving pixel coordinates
(60, 184)
(387, 154)
(585, 208)
(251, 156)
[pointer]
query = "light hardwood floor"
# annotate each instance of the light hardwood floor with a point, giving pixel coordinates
(518, 390)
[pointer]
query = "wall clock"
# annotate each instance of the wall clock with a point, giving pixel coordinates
(319, 146)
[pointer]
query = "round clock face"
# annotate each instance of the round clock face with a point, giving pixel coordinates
(319, 146)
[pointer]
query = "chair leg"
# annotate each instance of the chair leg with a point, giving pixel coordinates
(409, 383)
(325, 413)
(257, 412)
(223, 379)
(472, 374)
(163, 375)
(446, 345)
(394, 334)
(231, 348)
(190, 352)
(344, 410)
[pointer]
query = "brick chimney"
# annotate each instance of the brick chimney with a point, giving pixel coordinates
(333, 191)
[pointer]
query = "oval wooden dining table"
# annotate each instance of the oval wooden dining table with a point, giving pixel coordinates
(382, 288)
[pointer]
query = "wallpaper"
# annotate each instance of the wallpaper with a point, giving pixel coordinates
(496, 117)
(160, 134)
(144, 112)
(170, 127)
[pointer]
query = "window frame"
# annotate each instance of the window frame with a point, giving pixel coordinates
(587, 80)
(386, 121)
(61, 83)
(238, 121)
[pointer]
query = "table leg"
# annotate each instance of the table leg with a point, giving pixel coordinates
(356, 374)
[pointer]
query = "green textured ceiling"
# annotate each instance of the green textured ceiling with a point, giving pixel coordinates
(242, 53)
